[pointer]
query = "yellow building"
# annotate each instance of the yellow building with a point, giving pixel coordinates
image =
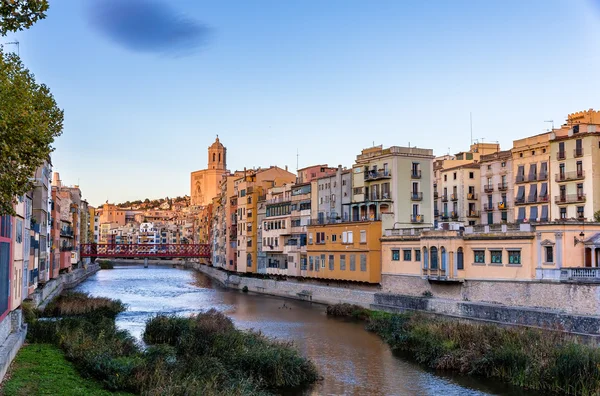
(531, 169)
(575, 164)
(344, 251)
(496, 194)
(205, 184)
(250, 187)
(521, 252)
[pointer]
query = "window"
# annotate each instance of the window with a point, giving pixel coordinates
(471, 175)
(532, 152)
(249, 200)
(320, 237)
(407, 255)
(417, 255)
(460, 259)
(514, 257)
(395, 254)
(479, 256)
(580, 212)
(454, 175)
(503, 164)
(249, 260)
(549, 250)
(363, 236)
(350, 237)
(352, 262)
(434, 258)
(333, 237)
(342, 262)
(445, 177)
(310, 238)
(322, 261)
(363, 262)
(310, 263)
(496, 256)
(19, 236)
(563, 213)
(331, 262)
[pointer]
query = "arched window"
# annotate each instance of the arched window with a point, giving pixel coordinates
(434, 258)
(444, 258)
(460, 259)
(425, 258)
(249, 260)
(219, 157)
(214, 157)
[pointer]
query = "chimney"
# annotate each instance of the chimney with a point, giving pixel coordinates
(286, 168)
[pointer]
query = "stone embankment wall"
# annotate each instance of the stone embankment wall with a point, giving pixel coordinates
(569, 298)
(571, 308)
(290, 289)
(12, 328)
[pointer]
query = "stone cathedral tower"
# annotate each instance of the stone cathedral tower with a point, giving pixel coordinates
(204, 184)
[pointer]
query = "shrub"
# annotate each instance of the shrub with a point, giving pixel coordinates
(76, 304)
(106, 264)
(348, 311)
(245, 289)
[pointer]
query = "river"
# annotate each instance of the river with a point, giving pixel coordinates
(351, 360)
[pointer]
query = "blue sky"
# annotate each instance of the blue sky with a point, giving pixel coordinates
(326, 78)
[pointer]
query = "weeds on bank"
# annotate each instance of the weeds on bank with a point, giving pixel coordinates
(531, 358)
(204, 354)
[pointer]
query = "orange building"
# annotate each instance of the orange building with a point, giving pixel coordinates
(112, 214)
(205, 183)
(344, 251)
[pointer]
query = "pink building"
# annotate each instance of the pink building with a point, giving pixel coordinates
(306, 175)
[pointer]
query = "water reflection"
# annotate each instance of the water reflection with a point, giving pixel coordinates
(351, 360)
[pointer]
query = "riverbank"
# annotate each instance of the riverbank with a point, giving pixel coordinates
(201, 354)
(533, 359)
(585, 326)
(13, 329)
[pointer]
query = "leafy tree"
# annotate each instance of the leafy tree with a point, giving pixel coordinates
(597, 216)
(147, 201)
(29, 121)
(20, 14)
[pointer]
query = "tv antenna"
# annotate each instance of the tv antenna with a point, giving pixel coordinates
(17, 44)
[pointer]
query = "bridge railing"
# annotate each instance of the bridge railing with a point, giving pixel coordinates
(144, 250)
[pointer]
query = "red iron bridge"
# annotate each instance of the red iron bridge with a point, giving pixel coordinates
(145, 250)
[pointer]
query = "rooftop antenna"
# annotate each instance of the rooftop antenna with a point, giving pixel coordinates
(471, 123)
(17, 44)
(552, 122)
(297, 156)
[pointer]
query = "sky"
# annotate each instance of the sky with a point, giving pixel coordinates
(147, 85)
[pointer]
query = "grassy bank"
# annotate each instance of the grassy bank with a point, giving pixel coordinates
(204, 354)
(41, 369)
(534, 359)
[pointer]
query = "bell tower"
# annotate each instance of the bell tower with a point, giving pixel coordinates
(217, 156)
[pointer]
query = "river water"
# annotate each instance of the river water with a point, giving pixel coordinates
(351, 360)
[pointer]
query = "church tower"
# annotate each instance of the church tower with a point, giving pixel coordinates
(216, 156)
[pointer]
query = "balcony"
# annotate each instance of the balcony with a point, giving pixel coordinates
(543, 176)
(472, 197)
(502, 186)
(445, 198)
(502, 206)
(488, 189)
(543, 198)
(377, 197)
(532, 177)
(473, 214)
(66, 232)
(435, 195)
(454, 197)
(417, 218)
(561, 155)
(519, 201)
(377, 175)
(520, 179)
(589, 274)
(564, 199)
(436, 212)
(454, 215)
(416, 196)
(445, 216)
(488, 207)
(568, 176)
(578, 152)
(415, 174)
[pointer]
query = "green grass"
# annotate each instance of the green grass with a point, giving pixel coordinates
(41, 369)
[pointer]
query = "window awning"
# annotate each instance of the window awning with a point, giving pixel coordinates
(533, 193)
(521, 214)
(521, 192)
(544, 190)
(544, 168)
(544, 213)
(532, 170)
(521, 170)
(533, 213)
